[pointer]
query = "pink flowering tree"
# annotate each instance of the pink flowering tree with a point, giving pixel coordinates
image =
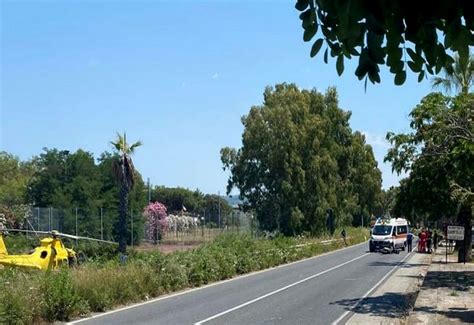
(155, 214)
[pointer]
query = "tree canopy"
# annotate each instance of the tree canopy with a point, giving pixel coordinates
(66, 181)
(300, 158)
(438, 153)
(14, 178)
(403, 35)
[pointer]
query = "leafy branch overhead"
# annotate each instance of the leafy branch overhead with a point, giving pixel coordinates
(404, 35)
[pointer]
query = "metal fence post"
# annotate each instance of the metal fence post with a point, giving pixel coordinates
(38, 219)
(101, 225)
(77, 232)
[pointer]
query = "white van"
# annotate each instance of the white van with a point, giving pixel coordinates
(389, 233)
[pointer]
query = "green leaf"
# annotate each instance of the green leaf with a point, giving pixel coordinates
(301, 4)
(326, 56)
(400, 78)
(340, 64)
(374, 76)
(413, 55)
(316, 47)
(309, 33)
(421, 76)
(414, 67)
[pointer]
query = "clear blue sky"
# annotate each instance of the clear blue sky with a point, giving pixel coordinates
(176, 75)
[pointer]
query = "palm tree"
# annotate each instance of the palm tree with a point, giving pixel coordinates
(461, 77)
(124, 173)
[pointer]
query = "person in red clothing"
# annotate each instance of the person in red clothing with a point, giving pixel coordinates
(422, 242)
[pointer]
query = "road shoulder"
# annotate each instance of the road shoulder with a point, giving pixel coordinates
(447, 293)
(391, 302)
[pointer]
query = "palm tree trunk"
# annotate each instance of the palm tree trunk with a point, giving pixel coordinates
(122, 226)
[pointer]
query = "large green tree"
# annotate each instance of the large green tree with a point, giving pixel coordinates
(14, 178)
(124, 172)
(438, 153)
(365, 180)
(67, 181)
(298, 160)
(403, 35)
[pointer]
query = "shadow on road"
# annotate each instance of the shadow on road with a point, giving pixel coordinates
(393, 305)
(402, 265)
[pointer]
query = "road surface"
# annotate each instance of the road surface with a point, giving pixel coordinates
(319, 290)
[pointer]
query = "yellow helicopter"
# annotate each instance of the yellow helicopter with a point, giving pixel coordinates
(50, 254)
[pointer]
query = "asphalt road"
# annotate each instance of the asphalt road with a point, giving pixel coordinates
(319, 290)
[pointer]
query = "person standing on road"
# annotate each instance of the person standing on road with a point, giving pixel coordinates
(428, 241)
(409, 242)
(435, 240)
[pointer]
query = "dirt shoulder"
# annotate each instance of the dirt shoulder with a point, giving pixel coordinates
(392, 301)
(447, 293)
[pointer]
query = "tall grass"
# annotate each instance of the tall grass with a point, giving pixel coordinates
(27, 297)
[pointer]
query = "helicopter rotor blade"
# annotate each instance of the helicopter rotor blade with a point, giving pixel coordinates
(97, 240)
(59, 234)
(28, 231)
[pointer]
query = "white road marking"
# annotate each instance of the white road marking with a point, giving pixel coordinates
(278, 290)
(186, 291)
(371, 290)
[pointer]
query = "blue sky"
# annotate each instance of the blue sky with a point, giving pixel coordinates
(176, 75)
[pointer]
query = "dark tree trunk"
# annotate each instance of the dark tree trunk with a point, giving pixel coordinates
(122, 226)
(465, 248)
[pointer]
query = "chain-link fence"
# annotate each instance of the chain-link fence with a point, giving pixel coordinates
(100, 224)
(191, 227)
(94, 223)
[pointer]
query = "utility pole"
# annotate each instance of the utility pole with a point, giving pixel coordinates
(219, 204)
(149, 190)
(101, 225)
(76, 226)
(38, 217)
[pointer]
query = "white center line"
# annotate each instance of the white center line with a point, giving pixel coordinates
(277, 291)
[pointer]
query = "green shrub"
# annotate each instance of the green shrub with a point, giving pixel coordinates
(59, 295)
(19, 297)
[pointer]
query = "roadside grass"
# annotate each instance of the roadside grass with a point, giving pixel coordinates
(30, 297)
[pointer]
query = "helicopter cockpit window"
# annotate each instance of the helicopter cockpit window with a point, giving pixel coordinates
(44, 254)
